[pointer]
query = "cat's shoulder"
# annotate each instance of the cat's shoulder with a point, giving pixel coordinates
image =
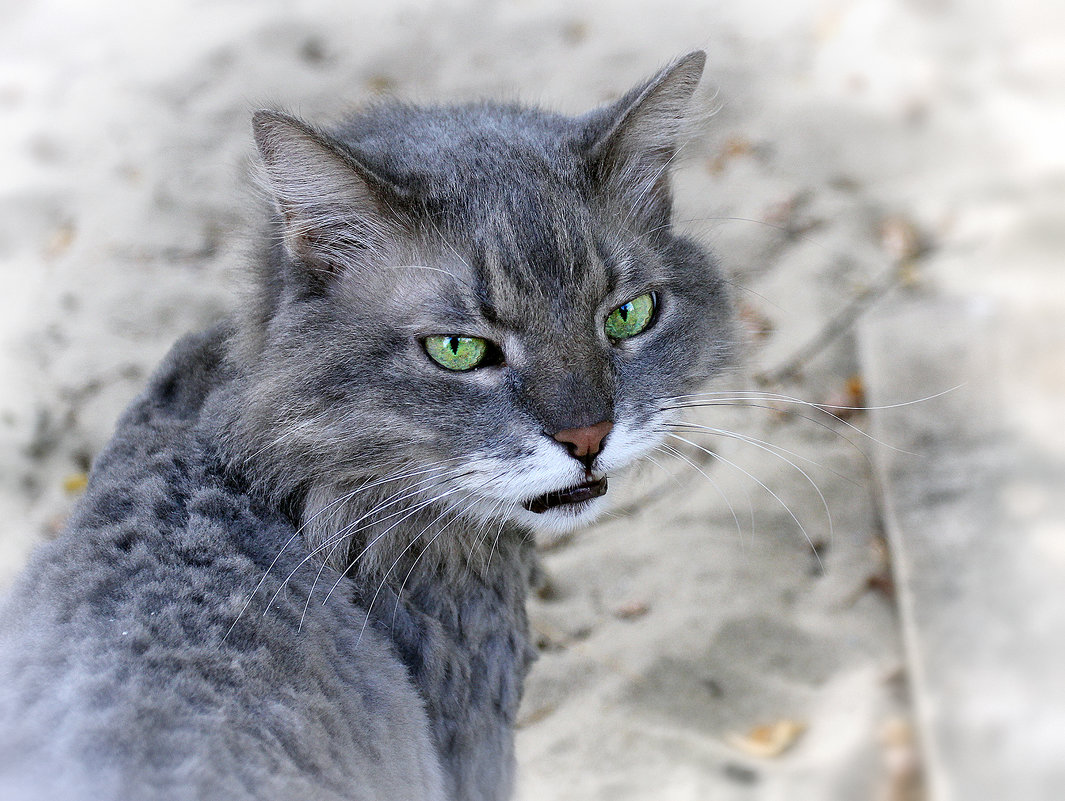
(171, 615)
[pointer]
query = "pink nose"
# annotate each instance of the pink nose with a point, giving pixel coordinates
(584, 442)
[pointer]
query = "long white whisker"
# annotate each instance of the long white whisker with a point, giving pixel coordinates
(724, 398)
(669, 449)
(771, 450)
(341, 537)
(415, 509)
(426, 267)
(755, 441)
(782, 228)
(402, 586)
(763, 395)
(303, 525)
(792, 414)
(478, 538)
(749, 403)
(349, 529)
(499, 532)
(403, 495)
(384, 578)
(650, 184)
(778, 499)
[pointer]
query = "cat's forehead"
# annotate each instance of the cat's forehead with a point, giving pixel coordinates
(512, 203)
(506, 200)
(436, 150)
(529, 252)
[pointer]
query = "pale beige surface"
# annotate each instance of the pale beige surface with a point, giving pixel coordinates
(123, 211)
(977, 528)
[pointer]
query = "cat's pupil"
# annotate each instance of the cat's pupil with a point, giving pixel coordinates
(624, 312)
(453, 343)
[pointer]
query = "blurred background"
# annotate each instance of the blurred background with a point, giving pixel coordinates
(860, 608)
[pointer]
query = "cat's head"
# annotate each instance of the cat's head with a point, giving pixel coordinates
(487, 299)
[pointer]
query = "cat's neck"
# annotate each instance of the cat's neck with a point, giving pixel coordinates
(450, 594)
(377, 526)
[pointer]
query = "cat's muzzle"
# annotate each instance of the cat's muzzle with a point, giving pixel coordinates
(571, 495)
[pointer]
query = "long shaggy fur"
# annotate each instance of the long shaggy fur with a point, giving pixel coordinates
(300, 567)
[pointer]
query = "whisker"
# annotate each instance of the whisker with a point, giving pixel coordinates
(760, 442)
(649, 185)
(790, 232)
(749, 403)
(669, 473)
(296, 533)
(384, 578)
(478, 538)
(339, 537)
(426, 267)
(670, 450)
(771, 450)
(796, 415)
(403, 495)
(760, 394)
(399, 595)
(776, 497)
(414, 510)
(452, 248)
(499, 532)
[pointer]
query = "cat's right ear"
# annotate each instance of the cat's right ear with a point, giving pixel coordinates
(335, 211)
(631, 144)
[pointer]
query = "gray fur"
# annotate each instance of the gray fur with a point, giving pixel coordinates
(300, 568)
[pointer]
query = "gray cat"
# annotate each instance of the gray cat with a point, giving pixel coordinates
(300, 567)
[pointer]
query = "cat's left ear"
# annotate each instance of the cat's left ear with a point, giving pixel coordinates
(630, 144)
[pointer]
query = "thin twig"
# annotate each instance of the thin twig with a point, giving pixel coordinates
(836, 326)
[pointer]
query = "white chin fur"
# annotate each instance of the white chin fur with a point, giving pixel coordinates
(561, 520)
(548, 469)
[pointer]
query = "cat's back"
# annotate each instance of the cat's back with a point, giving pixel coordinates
(199, 696)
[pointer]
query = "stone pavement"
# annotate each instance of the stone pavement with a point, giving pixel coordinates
(974, 502)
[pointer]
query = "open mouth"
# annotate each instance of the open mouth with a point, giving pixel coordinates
(565, 497)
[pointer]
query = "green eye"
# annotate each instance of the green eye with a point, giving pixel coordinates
(456, 353)
(629, 319)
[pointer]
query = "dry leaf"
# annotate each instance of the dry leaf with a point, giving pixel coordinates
(545, 588)
(758, 325)
(901, 239)
(60, 241)
(769, 740)
(632, 610)
(901, 762)
(548, 637)
(535, 716)
(782, 212)
(734, 147)
(910, 274)
(379, 84)
(75, 483)
(847, 402)
(574, 32)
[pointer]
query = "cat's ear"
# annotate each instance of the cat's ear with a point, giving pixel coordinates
(335, 210)
(630, 144)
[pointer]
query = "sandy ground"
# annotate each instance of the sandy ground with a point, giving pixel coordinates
(851, 141)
